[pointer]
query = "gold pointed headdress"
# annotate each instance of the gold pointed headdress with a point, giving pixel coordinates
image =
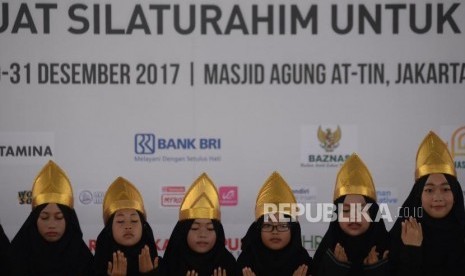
(354, 178)
(433, 157)
(52, 186)
(122, 194)
(201, 200)
(275, 190)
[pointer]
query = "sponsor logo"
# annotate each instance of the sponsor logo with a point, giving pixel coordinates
(457, 145)
(149, 147)
(25, 197)
(329, 139)
(327, 146)
(87, 197)
(172, 196)
(387, 195)
(304, 194)
(144, 143)
(457, 142)
(24, 148)
(228, 195)
(311, 242)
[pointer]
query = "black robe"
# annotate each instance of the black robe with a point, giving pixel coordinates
(32, 255)
(106, 246)
(179, 258)
(442, 251)
(356, 248)
(267, 262)
(4, 248)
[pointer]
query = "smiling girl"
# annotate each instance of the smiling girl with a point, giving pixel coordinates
(433, 241)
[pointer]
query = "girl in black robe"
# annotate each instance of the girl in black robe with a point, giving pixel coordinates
(106, 246)
(442, 251)
(268, 262)
(32, 255)
(179, 258)
(356, 248)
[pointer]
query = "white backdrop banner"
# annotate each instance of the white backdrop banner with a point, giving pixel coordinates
(160, 91)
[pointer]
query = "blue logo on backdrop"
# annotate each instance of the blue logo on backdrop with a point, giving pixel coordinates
(151, 148)
(144, 143)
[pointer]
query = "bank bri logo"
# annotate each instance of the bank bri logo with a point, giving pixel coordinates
(149, 147)
(144, 143)
(147, 143)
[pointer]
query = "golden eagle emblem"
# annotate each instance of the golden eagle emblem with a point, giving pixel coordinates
(329, 140)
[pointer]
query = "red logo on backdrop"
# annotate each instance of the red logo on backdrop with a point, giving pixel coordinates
(171, 196)
(228, 195)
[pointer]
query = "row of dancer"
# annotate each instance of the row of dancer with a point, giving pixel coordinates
(50, 241)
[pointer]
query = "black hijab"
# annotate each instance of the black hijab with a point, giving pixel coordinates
(31, 254)
(356, 248)
(4, 248)
(443, 246)
(106, 246)
(267, 262)
(179, 258)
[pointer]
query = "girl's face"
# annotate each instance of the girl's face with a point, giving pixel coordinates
(51, 223)
(353, 226)
(437, 198)
(202, 236)
(276, 235)
(127, 227)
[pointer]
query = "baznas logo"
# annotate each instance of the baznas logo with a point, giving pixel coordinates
(329, 140)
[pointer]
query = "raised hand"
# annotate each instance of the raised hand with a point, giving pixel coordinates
(192, 273)
(247, 271)
(340, 254)
(373, 256)
(412, 233)
(119, 265)
(219, 272)
(301, 271)
(145, 261)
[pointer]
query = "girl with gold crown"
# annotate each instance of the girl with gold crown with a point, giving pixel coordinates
(126, 245)
(273, 243)
(429, 237)
(356, 243)
(50, 241)
(197, 244)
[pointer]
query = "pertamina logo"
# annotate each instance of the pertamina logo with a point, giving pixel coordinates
(25, 148)
(327, 146)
